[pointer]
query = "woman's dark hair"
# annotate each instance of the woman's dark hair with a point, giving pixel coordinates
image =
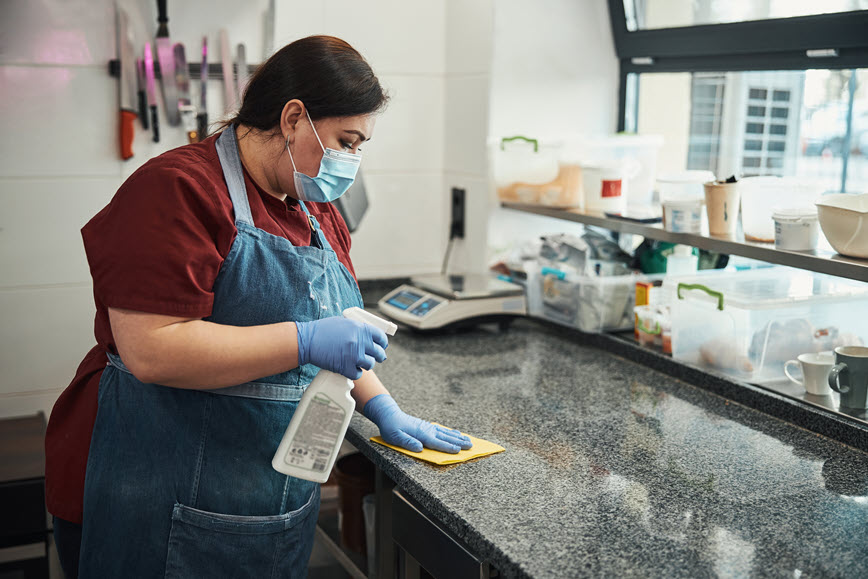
(325, 73)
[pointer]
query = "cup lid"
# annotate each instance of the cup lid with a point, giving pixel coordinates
(794, 213)
(694, 176)
(683, 202)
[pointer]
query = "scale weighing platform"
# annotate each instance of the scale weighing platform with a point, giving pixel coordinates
(431, 302)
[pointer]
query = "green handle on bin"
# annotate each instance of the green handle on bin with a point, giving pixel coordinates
(648, 330)
(697, 286)
(505, 140)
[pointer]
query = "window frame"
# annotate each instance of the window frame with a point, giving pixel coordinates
(771, 44)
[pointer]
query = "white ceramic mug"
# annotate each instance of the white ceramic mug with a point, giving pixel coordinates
(815, 369)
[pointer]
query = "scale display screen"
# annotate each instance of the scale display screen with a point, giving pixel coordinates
(424, 307)
(404, 299)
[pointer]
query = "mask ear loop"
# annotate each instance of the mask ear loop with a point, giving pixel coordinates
(314, 130)
(290, 156)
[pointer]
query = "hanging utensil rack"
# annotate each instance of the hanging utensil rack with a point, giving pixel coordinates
(215, 70)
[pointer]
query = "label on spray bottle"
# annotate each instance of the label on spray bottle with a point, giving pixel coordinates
(317, 435)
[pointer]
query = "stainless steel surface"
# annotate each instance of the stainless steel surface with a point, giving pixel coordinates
(243, 74)
(151, 93)
(185, 107)
(466, 286)
(228, 73)
(830, 402)
(150, 82)
(166, 58)
(821, 261)
(353, 204)
(787, 388)
(203, 76)
(129, 81)
(182, 77)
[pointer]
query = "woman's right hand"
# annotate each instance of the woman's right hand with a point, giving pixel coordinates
(341, 345)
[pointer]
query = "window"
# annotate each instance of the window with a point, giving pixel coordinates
(778, 87)
(784, 123)
(651, 14)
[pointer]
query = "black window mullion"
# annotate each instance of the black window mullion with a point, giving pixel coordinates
(840, 31)
(847, 59)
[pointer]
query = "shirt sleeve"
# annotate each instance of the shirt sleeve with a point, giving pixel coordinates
(157, 246)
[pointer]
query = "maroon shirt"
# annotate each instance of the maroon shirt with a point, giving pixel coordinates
(157, 247)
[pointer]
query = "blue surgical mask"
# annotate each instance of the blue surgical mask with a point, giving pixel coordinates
(337, 171)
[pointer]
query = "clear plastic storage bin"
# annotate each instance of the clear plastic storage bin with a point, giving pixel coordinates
(748, 324)
(761, 195)
(527, 170)
(589, 304)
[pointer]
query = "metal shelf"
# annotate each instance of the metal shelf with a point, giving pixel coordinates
(821, 260)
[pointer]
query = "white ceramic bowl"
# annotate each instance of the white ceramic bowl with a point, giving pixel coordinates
(844, 220)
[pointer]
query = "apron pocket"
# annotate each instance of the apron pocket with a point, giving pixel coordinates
(203, 544)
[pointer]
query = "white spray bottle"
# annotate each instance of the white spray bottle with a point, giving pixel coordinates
(315, 433)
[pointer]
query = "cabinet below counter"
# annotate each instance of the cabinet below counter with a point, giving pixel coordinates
(615, 468)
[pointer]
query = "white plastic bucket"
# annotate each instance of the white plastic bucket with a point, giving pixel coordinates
(640, 151)
(797, 229)
(759, 197)
(683, 215)
(605, 187)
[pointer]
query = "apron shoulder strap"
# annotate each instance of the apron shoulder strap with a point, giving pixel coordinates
(317, 235)
(233, 172)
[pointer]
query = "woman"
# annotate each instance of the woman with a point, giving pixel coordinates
(220, 272)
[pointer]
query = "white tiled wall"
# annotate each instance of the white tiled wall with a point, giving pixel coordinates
(59, 163)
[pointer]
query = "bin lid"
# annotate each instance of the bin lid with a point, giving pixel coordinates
(766, 288)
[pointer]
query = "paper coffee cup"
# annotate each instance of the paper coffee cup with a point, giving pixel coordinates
(721, 203)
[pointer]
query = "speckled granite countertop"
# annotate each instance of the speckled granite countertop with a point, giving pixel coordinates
(613, 468)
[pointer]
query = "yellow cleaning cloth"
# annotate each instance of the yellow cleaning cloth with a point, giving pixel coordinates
(480, 448)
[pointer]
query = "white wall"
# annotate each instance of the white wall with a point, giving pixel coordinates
(59, 163)
(554, 74)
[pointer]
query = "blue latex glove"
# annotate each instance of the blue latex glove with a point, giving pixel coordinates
(400, 429)
(341, 345)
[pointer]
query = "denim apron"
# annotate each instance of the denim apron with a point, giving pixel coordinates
(179, 482)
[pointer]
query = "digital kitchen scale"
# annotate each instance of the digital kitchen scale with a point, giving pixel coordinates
(435, 301)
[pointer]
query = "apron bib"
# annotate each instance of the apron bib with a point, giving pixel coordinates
(179, 482)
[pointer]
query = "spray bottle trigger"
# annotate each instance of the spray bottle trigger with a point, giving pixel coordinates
(360, 315)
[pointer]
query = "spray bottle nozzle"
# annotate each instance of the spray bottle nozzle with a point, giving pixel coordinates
(361, 315)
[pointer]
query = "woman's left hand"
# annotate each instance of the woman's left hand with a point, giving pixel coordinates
(400, 429)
